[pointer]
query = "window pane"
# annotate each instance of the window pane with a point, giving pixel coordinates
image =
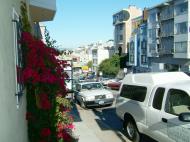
(177, 102)
(181, 8)
(136, 93)
(131, 58)
(181, 28)
(181, 47)
(158, 98)
(121, 37)
(152, 18)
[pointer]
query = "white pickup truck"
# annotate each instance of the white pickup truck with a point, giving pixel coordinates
(157, 105)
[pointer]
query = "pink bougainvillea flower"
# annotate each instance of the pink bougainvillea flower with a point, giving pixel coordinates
(44, 102)
(45, 132)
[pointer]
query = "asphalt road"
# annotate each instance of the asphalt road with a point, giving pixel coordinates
(103, 122)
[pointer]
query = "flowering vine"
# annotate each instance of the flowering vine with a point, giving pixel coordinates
(48, 112)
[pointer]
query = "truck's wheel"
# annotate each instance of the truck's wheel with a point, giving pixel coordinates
(131, 130)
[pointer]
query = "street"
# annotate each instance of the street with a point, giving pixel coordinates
(99, 124)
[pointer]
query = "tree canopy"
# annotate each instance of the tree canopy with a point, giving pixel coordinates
(111, 66)
(89, 64)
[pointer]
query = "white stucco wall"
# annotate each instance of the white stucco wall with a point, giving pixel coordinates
(13, 126)
(102, 54)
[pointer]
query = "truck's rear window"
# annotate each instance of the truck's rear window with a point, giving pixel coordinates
(134, 92)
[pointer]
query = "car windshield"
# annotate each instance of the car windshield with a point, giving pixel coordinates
(92, 86)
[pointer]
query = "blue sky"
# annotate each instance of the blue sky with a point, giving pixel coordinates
(81, 22)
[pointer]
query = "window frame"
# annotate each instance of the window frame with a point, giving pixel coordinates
(155, 96)
(167, 100)
(178, 45)
(125, 86)
(17, 28)
(178, 30)
(178, 6)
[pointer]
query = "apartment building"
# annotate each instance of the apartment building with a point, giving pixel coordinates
(100, 52)
(12, 97)
(122, 28)
(81, 54)
(138, 45)
(168, 35)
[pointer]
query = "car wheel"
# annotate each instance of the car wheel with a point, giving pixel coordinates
(131, 130)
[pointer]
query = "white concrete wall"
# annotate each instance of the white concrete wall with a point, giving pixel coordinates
(134, 12)
(102, 55)
(13, 126)
(157, 67)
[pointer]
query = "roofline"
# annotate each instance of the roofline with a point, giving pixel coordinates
(124, 9)
(158, 5)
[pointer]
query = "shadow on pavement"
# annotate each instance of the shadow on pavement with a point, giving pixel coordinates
(108, 120)
(109, 117)
(75, 113)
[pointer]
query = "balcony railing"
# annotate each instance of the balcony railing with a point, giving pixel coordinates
(42, 10)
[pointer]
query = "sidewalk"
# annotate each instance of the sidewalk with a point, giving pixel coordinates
(84, 133)
(89, 126)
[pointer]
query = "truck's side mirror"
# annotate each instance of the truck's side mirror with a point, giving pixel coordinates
(185, 117)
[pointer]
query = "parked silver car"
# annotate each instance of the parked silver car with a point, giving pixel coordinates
(92, 94)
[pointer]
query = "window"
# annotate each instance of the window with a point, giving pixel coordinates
(167, 12)
(120, 27)
(136, 93)
(152, 17)
(181, 8)
(132, 58)
(95, 61)
(152, 33)
(167, 28)
(92, 86)
(120, 37)
(17, 55)
(177, 102)
(120, 16)
(158, 98)
(181, 47)
(143, 44)
(143, 59)
(114, 19)
(152, 48)
(181, 28)
(131, 49)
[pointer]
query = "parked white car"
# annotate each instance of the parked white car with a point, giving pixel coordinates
(157, 105)
(93, 94)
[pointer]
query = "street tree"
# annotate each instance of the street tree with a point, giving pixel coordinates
(89, 64)
(111, 66)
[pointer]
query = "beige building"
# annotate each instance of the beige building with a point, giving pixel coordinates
(13, 125)
(123, 27)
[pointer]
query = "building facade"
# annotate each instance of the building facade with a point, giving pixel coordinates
(138, 45)
(168, 35)
(12, 100)
(122, 28)
(100, 52)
